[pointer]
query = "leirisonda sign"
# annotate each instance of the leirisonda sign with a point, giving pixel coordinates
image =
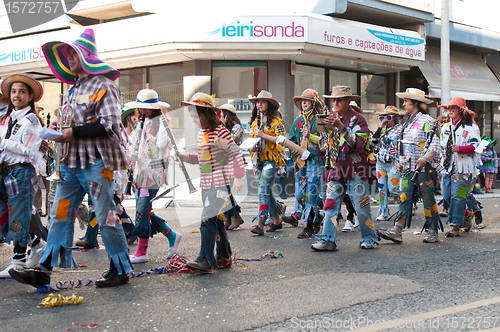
(28, 14)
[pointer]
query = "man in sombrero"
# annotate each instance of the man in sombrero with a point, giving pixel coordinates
(92, 141)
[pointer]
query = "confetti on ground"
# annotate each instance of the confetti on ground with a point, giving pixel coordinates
(89, 326)
(53, 300)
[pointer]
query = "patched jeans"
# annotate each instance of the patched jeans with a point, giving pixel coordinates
(212, 228)
(19, 186)
(455, 193)
(97, 182)
(388, 185)
(266, 175)
(358, 190)
(307, 188)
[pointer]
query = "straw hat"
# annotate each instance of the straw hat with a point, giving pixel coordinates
(354, 105)
(414, 94)
(342, 91)
(267, 96)
(307, 94)
(390, 110)
(56, 54)
(228, 107)
(146, 98)
(34, 85)
(201, 99)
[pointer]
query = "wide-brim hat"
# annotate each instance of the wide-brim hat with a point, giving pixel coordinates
(147, 98)
(56, 54)
(308, 94)
(267, 96)
(126, 111)
(354, 105)
(228, 107)
(455, 101)
(342, 91)
(414, 94)
(35, 86)
(201, 99)
(389, 110)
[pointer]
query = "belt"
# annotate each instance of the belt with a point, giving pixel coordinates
(6, 168)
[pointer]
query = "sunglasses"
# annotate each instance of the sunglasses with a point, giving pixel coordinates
(383, 117)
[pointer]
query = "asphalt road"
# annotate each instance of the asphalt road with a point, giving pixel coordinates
(350, 289)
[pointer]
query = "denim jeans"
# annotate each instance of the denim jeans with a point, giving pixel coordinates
(426, 179)
(307, 188)
(266, 174)
(472, 204)
(211, 226)
(358, 190)
(455, 193)
(388, 185)
(146, 223)
(95, 181)
(280, 185)
(15, 218)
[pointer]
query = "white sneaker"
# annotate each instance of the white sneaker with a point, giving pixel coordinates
(17, 264)
(356, 222)
(173, 249)
(140, 259)
(36, 254)
(347, 226)
(381, 218)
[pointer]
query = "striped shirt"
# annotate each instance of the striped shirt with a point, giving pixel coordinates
(96, 98)
(210, 157)
(387, 144)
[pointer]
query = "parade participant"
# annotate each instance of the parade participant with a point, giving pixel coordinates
(308, 175)
(152, 147)
(350, 173)
(459, 139)
(92, 151)
(490, 164)
(37, 200)
(220, 161)
(415, 159)
(21, 159)
(267, 124)
(385, 141)
(4, 103)
(229, 118)
(129, 119)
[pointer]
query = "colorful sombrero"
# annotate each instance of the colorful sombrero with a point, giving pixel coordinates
(56, 54)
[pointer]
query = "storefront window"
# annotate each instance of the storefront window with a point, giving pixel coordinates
(346, 78)
(130, 82)
(309, 77)
(234, 81)
(373, 97)
(496, 130)
(167, 81)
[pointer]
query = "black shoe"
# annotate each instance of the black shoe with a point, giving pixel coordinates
(316, 228)
(257, 230)
(202, 266)
(305, 234)
(112, 279)
(34, 277)
(283, 197)
(274, 227)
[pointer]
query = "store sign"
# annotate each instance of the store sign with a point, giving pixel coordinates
(357, 37)
(21, 55)
(260, 29)
(457, 71)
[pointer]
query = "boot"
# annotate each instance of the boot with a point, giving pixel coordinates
(479, 217)
(468, 221)
(227, 221)
(236, 221)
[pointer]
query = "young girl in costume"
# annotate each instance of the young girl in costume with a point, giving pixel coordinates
(150, 169)
(490, 164)
(231, 121)
(21, 159)
(266, 156)
(220, 161)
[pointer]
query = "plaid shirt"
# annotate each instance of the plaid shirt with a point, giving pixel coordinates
(96, 98)
(387, 144)
(413, 139)
(212, 171)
